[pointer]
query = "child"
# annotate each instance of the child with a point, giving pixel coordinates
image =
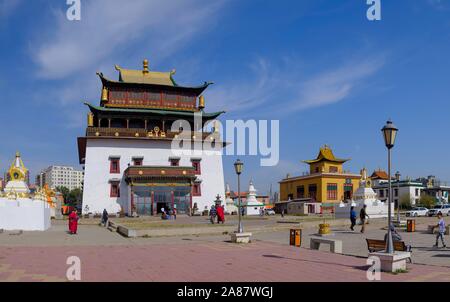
(441, 226)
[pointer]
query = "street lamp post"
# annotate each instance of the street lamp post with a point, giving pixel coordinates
(397, 177)
(238, 168)
(389, 135)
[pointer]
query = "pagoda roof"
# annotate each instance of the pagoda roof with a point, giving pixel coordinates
(380, 174)
(97, 109)
(326, 154)
(146, 77)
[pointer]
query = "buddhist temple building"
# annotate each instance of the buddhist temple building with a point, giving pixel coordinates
(131, 148)
(326, 182)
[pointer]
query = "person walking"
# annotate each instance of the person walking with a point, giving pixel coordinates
(220, 214)
(441, 226)
(105, 218)
(175, 213)
(73, 222)
(212, 213)
(352, 218)
(362, 216)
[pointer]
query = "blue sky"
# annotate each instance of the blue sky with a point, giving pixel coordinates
(320, 67)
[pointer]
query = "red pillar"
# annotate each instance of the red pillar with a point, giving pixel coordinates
(153, 203)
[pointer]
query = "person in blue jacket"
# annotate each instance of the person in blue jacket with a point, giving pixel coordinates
(352, 218)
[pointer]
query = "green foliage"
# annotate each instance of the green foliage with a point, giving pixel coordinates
(75, 196)
(72, 198)
(64, 191)
(405, 202)
(427, 201)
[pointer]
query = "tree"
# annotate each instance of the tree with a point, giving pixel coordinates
(64, 191)
(427, 201)
(405, 201)
(75, 196)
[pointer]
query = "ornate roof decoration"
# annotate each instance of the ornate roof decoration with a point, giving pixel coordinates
(326, 154)
(145, 76)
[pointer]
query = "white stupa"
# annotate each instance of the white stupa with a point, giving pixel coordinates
(18, 211)
(230, 207)
(252, 205)
(364, 195)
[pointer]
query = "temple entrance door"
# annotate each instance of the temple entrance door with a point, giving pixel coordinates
(163, 200)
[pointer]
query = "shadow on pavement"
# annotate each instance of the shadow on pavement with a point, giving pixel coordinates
(358, 267)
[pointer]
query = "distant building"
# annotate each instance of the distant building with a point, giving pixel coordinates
(378, 177)
(411, 188)
(65, 176)
(436, 188)
(326, 182)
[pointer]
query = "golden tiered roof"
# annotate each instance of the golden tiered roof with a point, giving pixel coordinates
(145, 76)
(326, 154)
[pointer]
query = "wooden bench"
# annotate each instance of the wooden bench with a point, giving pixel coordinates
(374, 245)
(335, 245)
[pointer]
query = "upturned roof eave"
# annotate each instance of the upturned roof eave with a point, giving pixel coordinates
(164, 112)
(198, 89)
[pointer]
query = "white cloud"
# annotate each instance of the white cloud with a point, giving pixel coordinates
(271, 85)
(111, 26)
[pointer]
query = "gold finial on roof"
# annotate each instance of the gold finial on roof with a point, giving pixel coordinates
(146, 68)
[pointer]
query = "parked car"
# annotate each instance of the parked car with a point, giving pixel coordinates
(270, 212)
(443, 208)
(418, 211)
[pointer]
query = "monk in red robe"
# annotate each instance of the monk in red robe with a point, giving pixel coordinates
(73, 222)
(220, 215)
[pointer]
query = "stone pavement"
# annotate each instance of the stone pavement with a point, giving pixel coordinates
(195, 262)
(354, 243)
(107, 256)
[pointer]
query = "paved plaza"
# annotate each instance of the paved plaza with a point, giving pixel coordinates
(108, 256)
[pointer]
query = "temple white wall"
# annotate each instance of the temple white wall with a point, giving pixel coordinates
(96, 194)
(24, 214)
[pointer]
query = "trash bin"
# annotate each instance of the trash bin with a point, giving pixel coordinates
(411, 225)
(296, 237)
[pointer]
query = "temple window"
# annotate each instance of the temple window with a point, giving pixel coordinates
(114, 165)
(196, 189)
(197, 166)
(174, 161)
(301, 192)
(115, 189)
(138, 161)
(332, 191)
(333, 169)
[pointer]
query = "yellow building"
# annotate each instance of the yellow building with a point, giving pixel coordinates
(326, 181)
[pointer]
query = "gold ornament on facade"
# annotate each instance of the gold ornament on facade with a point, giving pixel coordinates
(163, 172)
(136, 134)
(201, 102)
(97, 133)
(116, 134)
(90, 119)
(141, 172)
(104, 94)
